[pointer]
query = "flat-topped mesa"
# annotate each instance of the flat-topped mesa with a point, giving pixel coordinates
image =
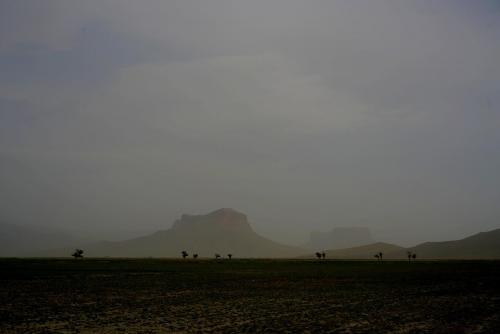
(225, 218)
(224, 231)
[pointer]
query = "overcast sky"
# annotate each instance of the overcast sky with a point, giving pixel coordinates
(117, 116)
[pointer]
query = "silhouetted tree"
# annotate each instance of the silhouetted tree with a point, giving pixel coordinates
(78, 253)
(409, 254)
(217, 256)
(195, 256)
(318, 255)
(380, 254)
(377, 256)
(323, 255)
(184, 254)
(229, 256)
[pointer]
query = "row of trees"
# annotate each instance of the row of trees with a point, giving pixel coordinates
(78, 253)
(321, 255)
(379, 256)
(411, 256)
(185, 254)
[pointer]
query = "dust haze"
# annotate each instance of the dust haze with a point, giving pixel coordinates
(116, 117)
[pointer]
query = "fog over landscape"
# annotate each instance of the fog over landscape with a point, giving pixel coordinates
(119, 116)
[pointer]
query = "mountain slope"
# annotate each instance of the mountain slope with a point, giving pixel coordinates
(484, 245)
(222, 231)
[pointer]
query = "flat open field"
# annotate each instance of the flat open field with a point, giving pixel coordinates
(205, 296)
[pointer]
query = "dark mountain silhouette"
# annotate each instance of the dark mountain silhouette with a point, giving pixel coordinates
(222, 231)
(484, 245)
(340, 237)
(20, 240)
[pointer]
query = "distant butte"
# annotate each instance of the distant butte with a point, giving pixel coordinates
(223, 231)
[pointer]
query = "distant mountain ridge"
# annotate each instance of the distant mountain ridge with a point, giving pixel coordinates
(226, 231)
(484, 245)
(222, 231)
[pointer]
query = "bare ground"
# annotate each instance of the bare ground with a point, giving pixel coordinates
(248, 296)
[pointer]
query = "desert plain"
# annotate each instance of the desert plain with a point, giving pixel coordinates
(248, 296)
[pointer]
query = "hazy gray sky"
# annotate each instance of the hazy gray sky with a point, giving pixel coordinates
(117, 116)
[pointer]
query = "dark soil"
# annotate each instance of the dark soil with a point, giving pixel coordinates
(248, 296)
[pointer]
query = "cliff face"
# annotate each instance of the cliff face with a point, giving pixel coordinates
(224, 219)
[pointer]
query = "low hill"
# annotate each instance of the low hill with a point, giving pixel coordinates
(484, 245)
(222, 231)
